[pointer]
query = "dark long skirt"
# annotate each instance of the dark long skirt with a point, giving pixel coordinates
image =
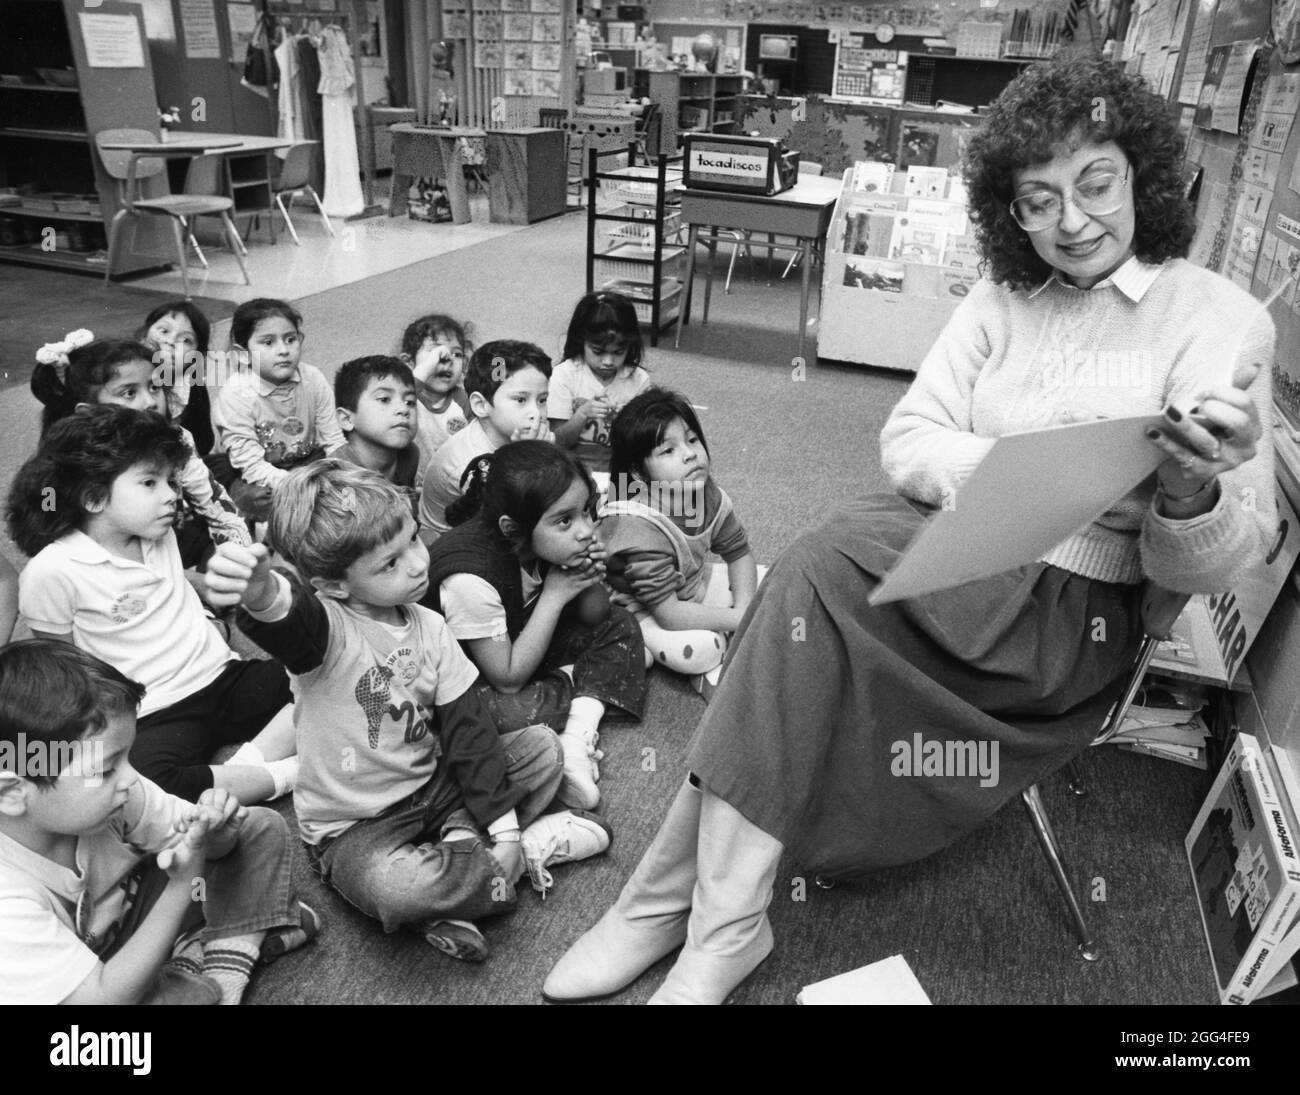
(865, 737)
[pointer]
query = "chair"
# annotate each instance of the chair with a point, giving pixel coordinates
(1160, 609)
(128, 168)
(649, 128)
(806, 167)
(295, 178)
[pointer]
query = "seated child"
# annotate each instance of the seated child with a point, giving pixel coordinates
(600, 372)
(121, 372)
(409, 802)
(376, 404)
(507, 383)
(277, 414)
(98, 865)
(435, 346)
(179, 332)
(665, 515)
(105, 574)
(519, 581)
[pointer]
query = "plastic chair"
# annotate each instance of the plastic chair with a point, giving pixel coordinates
(128, 168)
(1160, 610)
(294, 179)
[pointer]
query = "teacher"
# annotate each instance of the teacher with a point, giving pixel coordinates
(1088, 308)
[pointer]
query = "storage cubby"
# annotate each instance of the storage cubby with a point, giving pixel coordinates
(633, 229)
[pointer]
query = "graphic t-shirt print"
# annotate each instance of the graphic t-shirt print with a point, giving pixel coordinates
(285, 441)
(384, 698)
(596, 429)
(126, 607)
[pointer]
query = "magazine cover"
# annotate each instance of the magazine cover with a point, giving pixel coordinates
(1244, 864)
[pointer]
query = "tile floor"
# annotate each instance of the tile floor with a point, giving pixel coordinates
(359, 249)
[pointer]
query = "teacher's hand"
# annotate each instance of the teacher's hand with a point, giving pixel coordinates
(1218, 433)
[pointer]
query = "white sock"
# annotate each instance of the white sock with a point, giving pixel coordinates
(248, 753)
(284, 773)
(585, 714)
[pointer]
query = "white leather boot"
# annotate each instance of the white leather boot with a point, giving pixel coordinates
(646, 922)
(728, 933)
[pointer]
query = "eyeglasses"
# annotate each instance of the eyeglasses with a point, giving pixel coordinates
(1097, 196)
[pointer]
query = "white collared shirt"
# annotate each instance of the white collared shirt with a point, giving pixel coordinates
(1133, 278)
(144, 618)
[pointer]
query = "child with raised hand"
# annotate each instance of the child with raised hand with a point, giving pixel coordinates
(120, 372)
(179, 333)
(98, 866)
(436, 347)
(600, 372)
(409, 802)
(507, 383)
(276, 414)
(666, 515)
(94, 509)
(377, 413)
(519, 582)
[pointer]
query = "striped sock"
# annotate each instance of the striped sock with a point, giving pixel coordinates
(229, 962)
(187, 955)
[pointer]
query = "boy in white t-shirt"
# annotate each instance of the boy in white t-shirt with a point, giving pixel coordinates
(507, 382)
(111, 890)
(410, 804)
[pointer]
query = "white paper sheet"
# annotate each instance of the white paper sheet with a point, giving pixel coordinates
(1030, 492)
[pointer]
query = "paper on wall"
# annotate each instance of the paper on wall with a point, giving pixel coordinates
(112, 41)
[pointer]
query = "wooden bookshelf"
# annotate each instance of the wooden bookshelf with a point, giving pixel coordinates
(47, 137)
(695, 102)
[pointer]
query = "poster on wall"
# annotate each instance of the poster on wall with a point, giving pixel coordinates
(112, 41)
(1198, 47)
(199, 26)
(242, 19)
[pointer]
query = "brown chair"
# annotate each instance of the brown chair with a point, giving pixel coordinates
(128, 168)
(295, 178)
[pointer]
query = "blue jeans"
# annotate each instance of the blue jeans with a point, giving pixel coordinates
(247, 890)
(398, 868)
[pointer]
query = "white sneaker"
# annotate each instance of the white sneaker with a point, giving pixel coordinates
(562, 838)
(578, 782)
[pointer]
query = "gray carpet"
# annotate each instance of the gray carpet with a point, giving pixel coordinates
(39, 306)
(980, 923)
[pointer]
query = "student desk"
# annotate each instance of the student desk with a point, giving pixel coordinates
(430, 152)
(804, 211)
(240, 170)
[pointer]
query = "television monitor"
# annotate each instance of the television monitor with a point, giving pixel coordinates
(777, 47)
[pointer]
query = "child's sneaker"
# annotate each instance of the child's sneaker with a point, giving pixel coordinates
(457, 938)
(280, 941)
(578, 782)
(562, 838)
(707, 683)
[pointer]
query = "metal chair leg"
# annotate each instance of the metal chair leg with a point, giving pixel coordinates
(114, 231)
(321, 209)
(1088, 948)
(279, 201)
(1075, 778)
(180, 253)
(189, 229)
(232, 233)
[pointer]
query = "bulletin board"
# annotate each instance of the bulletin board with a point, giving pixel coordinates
(1247, 182)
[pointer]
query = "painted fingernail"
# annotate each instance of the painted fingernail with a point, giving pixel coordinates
(1153, 434)
(1173, 414)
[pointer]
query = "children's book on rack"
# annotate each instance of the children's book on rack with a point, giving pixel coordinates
(1246, 871)
(899, 240)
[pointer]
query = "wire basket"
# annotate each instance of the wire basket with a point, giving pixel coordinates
(635, 185)
(976, 39)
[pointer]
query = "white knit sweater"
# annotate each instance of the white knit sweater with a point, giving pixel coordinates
(1013, 360)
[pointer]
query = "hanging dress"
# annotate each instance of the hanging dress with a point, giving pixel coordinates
(343, 196)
